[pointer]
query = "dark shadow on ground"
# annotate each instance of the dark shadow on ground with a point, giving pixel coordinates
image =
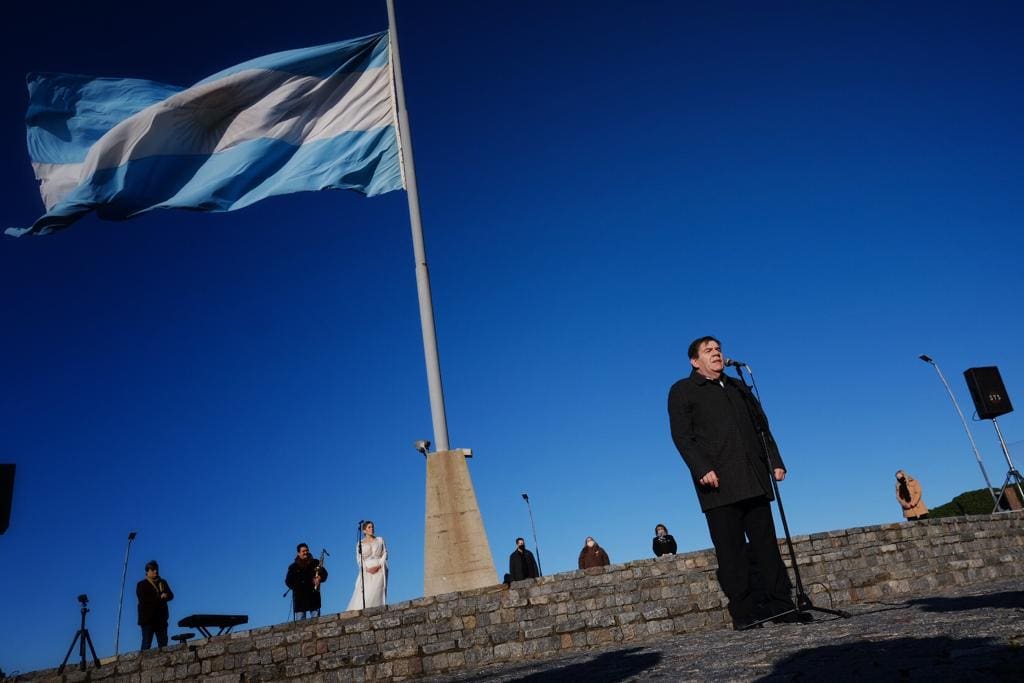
(903, 659)
(608, 667)
(1006, 600)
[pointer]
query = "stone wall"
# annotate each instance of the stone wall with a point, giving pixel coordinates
(636, 601)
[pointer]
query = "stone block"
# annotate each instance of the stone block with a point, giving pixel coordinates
(503, 633)
(439, 646)
(627, 618)
(334, 661)
(600, 620)
(298, 668)
(603, 636)
(539, 646)
(478, 654)
(570, 625)
(536, 632)
(224, 678)
(515, 598)
(507, 651)
(407, 668)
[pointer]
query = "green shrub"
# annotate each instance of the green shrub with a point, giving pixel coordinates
(968, 503)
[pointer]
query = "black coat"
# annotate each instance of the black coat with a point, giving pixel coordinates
(521, 565)
(717, 428)
(664, 545)
(300, 579)
(152, 608)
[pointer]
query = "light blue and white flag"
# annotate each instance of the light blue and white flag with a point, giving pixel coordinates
(311, 119)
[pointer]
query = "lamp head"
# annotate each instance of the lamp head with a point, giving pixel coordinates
(422, 446)
(926, 359)
(526, 498)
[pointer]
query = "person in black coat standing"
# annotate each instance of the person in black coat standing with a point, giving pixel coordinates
(717, 426)
(304, 578)
(521, 564)
(153, 593)
(663, 543)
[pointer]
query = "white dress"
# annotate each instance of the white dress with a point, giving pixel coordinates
(375, 554)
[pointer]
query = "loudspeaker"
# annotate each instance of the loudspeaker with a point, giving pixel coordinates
(988, 392)
(6, 495)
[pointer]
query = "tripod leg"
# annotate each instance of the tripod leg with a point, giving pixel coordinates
(1002, 492)
(68, 655)
(92, 649)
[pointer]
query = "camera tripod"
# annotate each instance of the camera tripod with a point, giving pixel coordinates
(82, 637)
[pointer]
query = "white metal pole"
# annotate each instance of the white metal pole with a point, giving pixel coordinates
(419, 249)
(977, 454)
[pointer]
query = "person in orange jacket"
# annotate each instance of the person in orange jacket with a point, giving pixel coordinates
(908, 493)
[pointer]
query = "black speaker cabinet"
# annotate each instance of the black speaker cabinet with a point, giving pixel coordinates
(6, 495)
(988, 392)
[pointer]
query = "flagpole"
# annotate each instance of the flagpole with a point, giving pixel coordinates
(419, 249)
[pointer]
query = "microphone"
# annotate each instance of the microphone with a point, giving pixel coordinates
(733, 363)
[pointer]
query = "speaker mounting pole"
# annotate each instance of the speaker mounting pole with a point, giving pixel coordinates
(1012, 473)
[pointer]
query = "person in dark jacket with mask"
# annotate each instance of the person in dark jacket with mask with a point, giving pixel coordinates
(722, 434)
(663, 543)
(521, 564)
(153, 593)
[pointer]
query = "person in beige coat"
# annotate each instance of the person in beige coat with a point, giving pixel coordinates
(908, 493)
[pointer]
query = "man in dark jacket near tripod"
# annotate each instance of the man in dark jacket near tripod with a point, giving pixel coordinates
(153, 593)
(717, 426)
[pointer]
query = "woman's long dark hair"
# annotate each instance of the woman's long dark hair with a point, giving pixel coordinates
(904, 490)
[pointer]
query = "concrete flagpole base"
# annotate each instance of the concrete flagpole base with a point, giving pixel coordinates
(456, 554)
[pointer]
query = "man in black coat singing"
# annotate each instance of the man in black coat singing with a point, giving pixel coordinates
(304, 578)
(521, 564)
(717, 426)
(153, 593)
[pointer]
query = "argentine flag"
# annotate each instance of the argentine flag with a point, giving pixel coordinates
(310, 119)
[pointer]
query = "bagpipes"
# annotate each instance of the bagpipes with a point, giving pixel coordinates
(320, 565)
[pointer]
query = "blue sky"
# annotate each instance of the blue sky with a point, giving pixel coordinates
(830, 188)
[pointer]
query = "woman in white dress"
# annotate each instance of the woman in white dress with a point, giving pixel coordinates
(372, 560)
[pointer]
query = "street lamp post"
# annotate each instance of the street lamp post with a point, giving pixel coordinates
(536, 546)
(974, 446)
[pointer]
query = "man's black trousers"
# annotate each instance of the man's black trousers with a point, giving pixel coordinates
(730, 527)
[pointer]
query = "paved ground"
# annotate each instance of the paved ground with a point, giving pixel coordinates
(975, 633)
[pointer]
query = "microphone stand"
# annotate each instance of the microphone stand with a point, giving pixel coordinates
(120, 600)
(536, 545)
(803, 601)
(362, 571)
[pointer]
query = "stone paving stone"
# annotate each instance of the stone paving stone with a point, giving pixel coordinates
(972, 633)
